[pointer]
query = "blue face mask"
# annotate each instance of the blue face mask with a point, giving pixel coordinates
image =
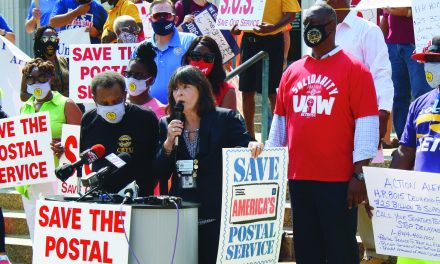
(163, 27)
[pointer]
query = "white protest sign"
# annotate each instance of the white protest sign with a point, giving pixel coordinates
(71, 36)
(85, 61)
(204, 25)
(70, 136)
(406, 220)
(247, 14)
(25, 154)
(254, 194)
(144, 13)
(373, 4)
(426, 20)
(70, 232)
(12, 61)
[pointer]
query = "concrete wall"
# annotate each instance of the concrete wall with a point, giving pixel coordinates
(15, 12)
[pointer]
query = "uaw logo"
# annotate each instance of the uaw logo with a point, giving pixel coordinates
(125, 144)
(177, 50)
(132, 87)
(428, 131)
(111, 116)
(315, 97)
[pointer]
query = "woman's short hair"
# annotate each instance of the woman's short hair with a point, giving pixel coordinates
(218, 74)
(42, 65)
(106, 80)
(193, 76)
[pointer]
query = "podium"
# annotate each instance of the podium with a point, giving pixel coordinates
(153, 232)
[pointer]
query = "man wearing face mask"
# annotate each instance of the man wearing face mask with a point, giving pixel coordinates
(419, 145)
(126, 29)
(121, 127)
(80, 13)
(169, 44)
(326, 114)
(115, 9)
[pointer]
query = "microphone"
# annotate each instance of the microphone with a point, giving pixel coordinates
(128, 199)
(106, 174)
(178, 114)
(86, 157)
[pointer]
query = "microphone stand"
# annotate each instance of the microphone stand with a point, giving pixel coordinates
(87, 193)
(78, 176)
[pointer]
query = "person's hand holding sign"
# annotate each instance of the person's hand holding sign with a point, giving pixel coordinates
(235, 30)
(265, 28)
(188, 19)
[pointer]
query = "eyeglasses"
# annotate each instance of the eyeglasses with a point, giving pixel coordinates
(136, 75)
(52, 38)
(42, 78)
(197, 56)
(130, 29)
(165, 15)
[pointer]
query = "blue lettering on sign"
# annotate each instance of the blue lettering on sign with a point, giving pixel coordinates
(257, 169)
(15, 61)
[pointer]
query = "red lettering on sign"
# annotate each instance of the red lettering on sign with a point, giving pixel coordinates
(34, 124)
(108, 221)
(7, 129)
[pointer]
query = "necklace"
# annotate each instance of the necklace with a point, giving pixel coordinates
(191, 131)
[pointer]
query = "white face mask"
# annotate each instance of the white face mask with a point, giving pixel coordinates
(39, 90)
(111, 113)
(136, 87)
(432, 74)
(107, 6)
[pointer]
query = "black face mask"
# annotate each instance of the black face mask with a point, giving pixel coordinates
(50, 48)
(315, 34)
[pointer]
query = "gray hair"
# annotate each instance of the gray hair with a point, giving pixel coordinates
(121, 21)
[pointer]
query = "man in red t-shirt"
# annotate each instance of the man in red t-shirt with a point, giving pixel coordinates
(327, 114)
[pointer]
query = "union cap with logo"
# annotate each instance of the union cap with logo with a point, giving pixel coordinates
(431, 50)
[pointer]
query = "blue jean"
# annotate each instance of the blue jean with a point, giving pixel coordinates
(409, 82)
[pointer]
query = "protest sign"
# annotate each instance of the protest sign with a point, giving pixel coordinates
(85, 61)
(25, 152)
(406, 220)
(247, 14)
(204, 25)
(70, 232)
(254, 194)
(12, 61)
(71, 36)
(373, 4)
(426, 21)
(144, 13)
(70, 136)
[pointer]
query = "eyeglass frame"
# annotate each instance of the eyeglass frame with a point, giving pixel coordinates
(39, 78)
(197, 56)
(52, 38)
(170, 16)
(129, 29)
(128, 74)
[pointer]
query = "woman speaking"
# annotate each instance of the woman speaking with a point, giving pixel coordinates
(194, 159)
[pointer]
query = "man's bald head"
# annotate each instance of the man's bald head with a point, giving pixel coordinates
(320, 14)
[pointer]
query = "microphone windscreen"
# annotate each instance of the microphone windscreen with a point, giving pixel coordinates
(99, 150)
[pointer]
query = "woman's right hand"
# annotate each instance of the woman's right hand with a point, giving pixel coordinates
(175, 128)
(188, 19)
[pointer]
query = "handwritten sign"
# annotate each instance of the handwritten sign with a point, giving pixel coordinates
(69, 232)
(373, 4)
(85, 61)
(426, 21)
(25, 152)
(204, 25)
(144, 12)
(254, 193)
(406, 219)
(247, 14)
(71, 36)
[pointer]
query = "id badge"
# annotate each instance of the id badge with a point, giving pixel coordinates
(187, 182)
(185, 170)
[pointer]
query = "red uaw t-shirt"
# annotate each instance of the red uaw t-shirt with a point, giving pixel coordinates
(321, 100)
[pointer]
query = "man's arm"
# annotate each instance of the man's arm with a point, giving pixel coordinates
(403, 158)
(31, 23)
(267, 28)
(63, 19)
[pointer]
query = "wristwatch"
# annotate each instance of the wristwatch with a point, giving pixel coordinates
(359, 176)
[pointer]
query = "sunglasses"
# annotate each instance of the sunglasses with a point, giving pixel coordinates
(136, 75)
(165, 15)
(42, 78)
(51, 38)
(197, 56)
(130, 29)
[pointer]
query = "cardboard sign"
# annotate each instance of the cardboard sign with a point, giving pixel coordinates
(71, 36)
(204, 25)
(25, 154)
(85, 61)
(426, 21)
(70, 232)
(12, 61)
(247, 14)
(373, 4)
(144, 13)
(70, 140)
(406, 220)
(254, 194)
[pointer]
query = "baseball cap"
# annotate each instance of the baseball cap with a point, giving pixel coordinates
(432, 49)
